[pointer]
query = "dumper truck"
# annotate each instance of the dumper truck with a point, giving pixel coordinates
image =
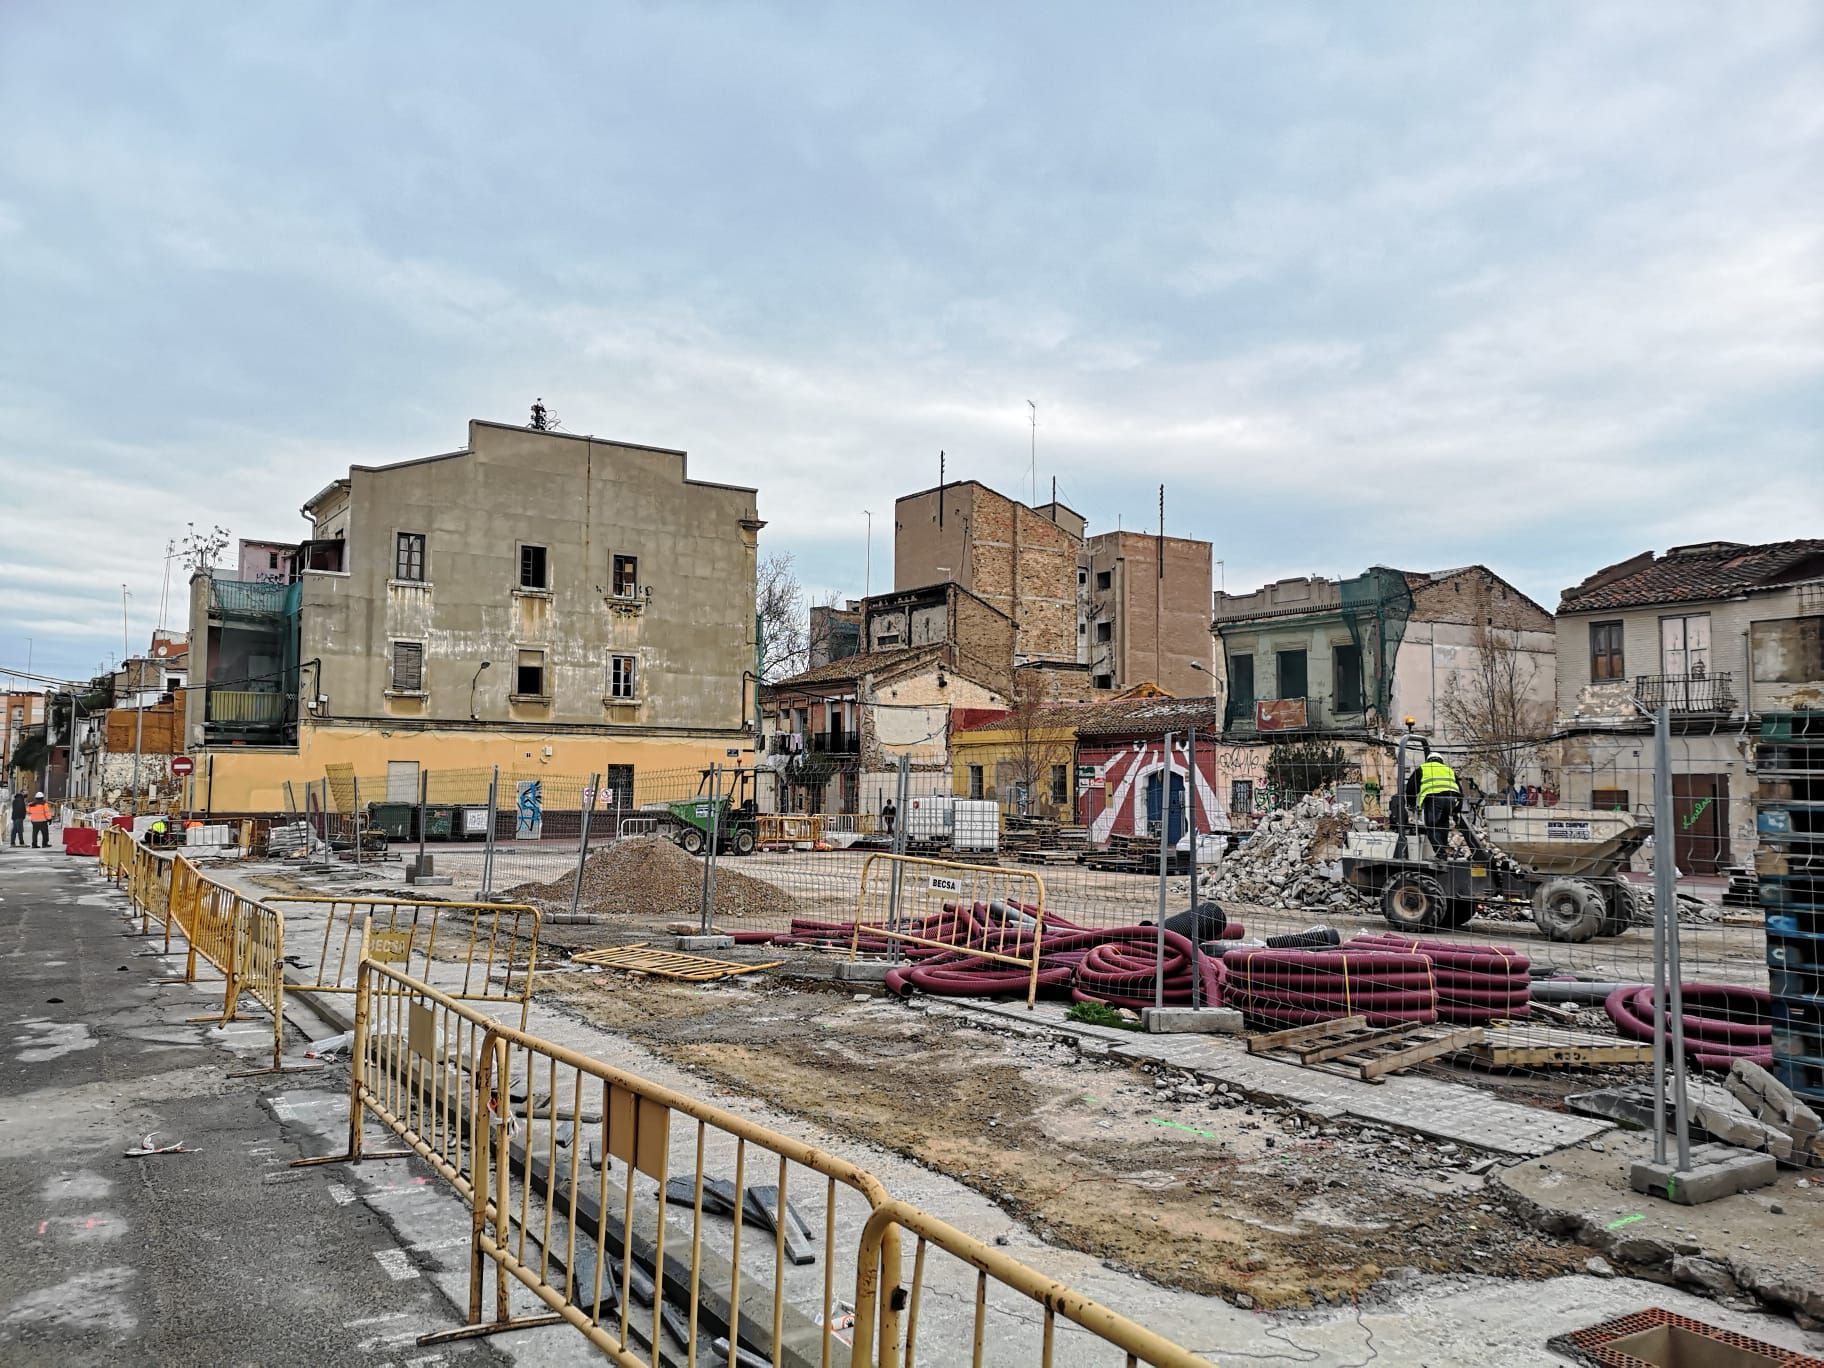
(1566, 864)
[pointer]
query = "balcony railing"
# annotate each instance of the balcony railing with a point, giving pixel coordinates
(815, 743)
(1686, 693)
(243, 708)
(249, 598)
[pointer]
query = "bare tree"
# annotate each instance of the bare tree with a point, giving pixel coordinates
(1490, 709)
(779, 604)
(1035, 747)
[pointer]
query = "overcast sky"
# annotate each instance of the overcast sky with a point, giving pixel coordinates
(1534, 285)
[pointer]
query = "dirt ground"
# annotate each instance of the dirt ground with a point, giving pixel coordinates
(1157, 1173)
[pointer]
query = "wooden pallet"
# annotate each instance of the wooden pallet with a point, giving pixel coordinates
(675, 964)
(1553, 1047)
(1368, 1052)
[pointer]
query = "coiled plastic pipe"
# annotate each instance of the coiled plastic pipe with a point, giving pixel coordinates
(1723, 1022)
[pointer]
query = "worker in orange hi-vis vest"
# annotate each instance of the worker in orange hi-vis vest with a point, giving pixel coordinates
(38, 812)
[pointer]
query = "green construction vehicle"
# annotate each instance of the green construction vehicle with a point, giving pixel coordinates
(728, 813)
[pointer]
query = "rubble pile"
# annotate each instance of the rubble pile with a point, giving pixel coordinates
(648, 876)
(1293, 860)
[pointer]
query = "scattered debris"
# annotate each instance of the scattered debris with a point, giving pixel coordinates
(146, 1147)
(1293, 860)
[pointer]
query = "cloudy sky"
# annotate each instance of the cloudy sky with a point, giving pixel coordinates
(1535, 285)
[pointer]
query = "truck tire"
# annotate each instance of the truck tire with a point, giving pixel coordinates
(1625, 909)
(1569, 909)
(1413, 902)
(691, 840)
(744, 842)
(1458, 912)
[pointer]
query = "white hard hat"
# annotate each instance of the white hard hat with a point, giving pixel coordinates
(1435, 756)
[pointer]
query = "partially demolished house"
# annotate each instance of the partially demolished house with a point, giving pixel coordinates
(1717, 633)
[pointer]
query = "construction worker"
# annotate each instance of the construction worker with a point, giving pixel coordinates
(38, 812)
(1439, 794)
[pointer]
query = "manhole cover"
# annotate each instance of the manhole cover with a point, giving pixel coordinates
(1655, 1338)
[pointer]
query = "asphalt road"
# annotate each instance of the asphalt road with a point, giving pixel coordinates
(221, 1255)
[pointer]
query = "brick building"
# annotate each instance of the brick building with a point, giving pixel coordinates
(1147, 611)
(1022, 561)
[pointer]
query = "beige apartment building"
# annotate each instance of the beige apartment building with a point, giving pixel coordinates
(1147, 612)
(535, 600)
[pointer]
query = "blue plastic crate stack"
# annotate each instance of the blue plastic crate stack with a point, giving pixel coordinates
(1790, 862)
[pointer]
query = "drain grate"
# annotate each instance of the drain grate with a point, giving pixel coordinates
(1656, 1338)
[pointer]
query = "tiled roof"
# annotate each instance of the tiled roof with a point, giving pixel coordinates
(1152, 716)
(1687, 575)
(855, 666)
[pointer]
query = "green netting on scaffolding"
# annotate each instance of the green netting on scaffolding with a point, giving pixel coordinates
(1376, 606)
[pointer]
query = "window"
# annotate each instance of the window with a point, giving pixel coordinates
(975, 781)
(1105, 631)
(529, 678)
(1349, 688)
(626, 576)
(408, 667)
(408, 557)
(1291, 674)
(1104, 681)
(1241, 681)
(887, 639)
(173, 684)
(1788, 650)
(272, 560)
(622, 680)
(1684, 646)
(1605, 651)
(532, 568)
(1241, 796)
(1105, 579)
(617, 786)
(1082, 578)
(1060, 784)
(1610, 800)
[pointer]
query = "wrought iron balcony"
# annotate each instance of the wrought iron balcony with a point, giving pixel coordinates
(1686, 693)
(815, 743)
(245, 708)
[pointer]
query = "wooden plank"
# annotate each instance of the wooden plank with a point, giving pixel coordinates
(1353, 1046)
(1447, 1042)
(1298, 1035)
(641, 959)
(1549, 1047)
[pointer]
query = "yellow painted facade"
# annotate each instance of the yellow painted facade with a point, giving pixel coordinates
(249, 779)
(994, 747)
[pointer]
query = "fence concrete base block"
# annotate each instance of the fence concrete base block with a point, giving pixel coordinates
(1191, 1020)
(1716, 1171)
(431, 881)
(862, 971)
(703, 943)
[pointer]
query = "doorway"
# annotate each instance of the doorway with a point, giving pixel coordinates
(1155, 786)
(1700, 806)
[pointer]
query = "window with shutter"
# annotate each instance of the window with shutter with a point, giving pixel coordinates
(408, 666)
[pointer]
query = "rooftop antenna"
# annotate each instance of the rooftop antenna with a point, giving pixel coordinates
(540, 421)
(940, 487)
(867, 574)
(164, 594)
(1034, 468)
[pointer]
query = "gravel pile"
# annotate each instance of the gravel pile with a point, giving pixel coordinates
(1292, 860)
(648, 876)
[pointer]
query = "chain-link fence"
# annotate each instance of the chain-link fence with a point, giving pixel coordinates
(1560, 872)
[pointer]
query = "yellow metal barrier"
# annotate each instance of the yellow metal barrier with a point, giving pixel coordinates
(993, 913)
(474, 952)
(788, 828)
(412, 1066)
(589, 1246)
(997, 1340)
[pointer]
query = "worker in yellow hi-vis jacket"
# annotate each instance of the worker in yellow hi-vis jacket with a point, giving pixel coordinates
(1439, 794)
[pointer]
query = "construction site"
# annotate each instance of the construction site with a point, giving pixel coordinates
(1291, 1096)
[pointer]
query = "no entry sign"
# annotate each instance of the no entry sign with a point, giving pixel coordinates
(182, 765)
